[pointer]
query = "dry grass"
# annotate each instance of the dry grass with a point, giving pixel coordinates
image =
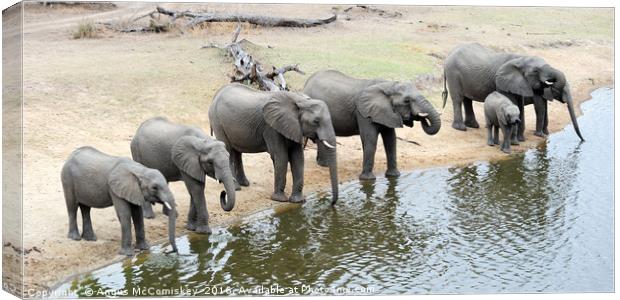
(86, 29)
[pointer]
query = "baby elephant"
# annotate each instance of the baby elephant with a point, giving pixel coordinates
(91, 178)
(500, 112)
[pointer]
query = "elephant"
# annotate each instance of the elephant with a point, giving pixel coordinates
(188, 154)
(369, 107)
(91, 178)
(253, 121)
(500, 112)
(472, 72)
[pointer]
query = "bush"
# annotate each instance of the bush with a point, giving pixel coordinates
(85, 30)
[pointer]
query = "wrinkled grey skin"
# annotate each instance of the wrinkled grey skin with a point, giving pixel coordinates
(91, 178)
(252, 121)
(500, 112)
(372, 107)
(185, 153)
(472, 72)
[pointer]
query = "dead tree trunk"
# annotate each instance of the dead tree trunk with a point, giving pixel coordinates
(199, 18)
(247, 68)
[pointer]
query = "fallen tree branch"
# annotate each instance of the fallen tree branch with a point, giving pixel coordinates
(199, 18)
(408, 141)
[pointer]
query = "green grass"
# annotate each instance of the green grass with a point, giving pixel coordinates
(369, 58)
(568, 22)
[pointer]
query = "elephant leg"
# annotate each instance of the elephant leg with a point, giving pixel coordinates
(147, 210)
(369, 135)
(192, 218)
(495, 135)
(490, 135)
(296, 157)
(123, 213)
(138, 224)
(457, 102)
(507, 132)
(539, 108)
(388, 135)
(87, 227)
(280, 166)
(470, 117)
(521, 127)
(546, 119)
(239, 171)
(197, 191)
(72, 207)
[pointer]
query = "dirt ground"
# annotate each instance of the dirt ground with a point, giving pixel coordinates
(97, 91)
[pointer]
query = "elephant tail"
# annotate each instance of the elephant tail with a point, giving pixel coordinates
(444, 94)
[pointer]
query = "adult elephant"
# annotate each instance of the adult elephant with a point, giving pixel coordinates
(252, 121)
(372, 107)
(185, 153)
(472, 72)
(91, 178)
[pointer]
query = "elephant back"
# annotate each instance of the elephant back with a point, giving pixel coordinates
(153, 142)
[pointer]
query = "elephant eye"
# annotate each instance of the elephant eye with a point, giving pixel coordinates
(154, 187)
(316, 121)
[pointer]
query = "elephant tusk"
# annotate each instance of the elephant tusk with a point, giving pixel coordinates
(328, 145)
(548, 82)
(168, 205)
(423, 115)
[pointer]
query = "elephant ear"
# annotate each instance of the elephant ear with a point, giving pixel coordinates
(282, 114)
(375, 103)
(502, 117)
(125, 184)
(186, 156)
(510, 78)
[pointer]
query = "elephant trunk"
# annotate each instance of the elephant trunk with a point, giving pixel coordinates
(172, 220)
(333, 177)
(227, 197)
(431, 121)
(566, 96)
(326, 157)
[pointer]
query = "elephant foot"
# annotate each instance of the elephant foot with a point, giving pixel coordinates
(540, 134)
(74, 235)
(203, 229)
(367, 176)
(459, 126)
(89, 236)
(392, 173)
(297, 198)
(546, 131)
(472, 124)
(126, 251)
(514, 142)
(491, 143)
(506, 150)
(143, 245)
(521, 138)
(190, 226)
(279, 196)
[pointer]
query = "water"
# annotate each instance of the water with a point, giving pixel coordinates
(541, 221)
